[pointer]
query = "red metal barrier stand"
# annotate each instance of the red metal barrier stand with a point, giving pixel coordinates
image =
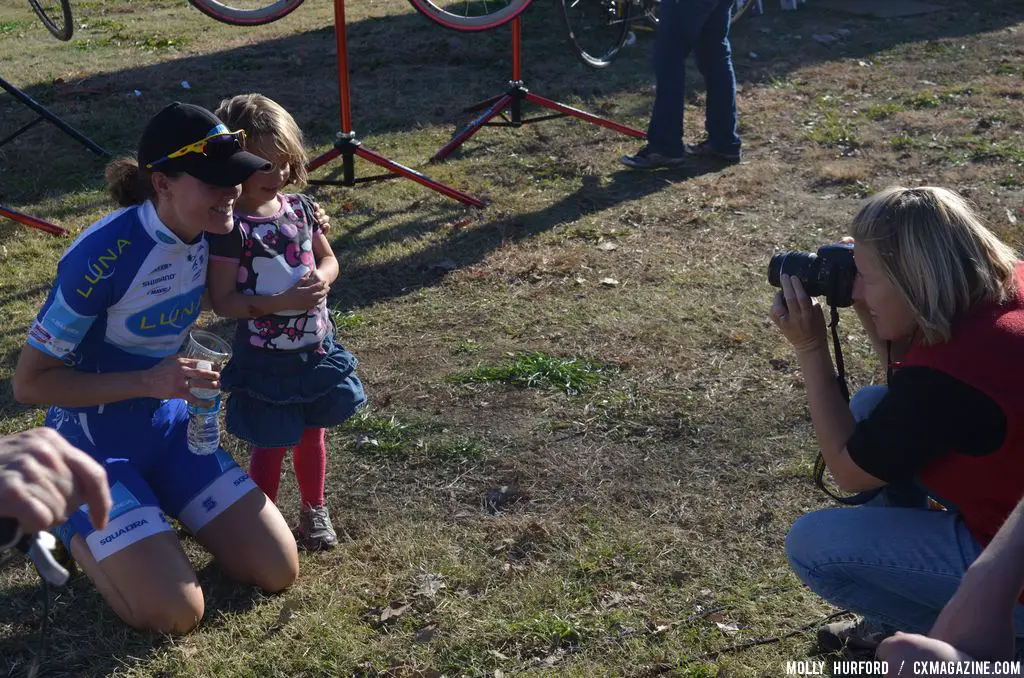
(347, 147)
(512, 101)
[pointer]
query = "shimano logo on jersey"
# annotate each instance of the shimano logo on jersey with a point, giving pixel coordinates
(123, 531)
(102, 268)
(169, 317)
(163, 278)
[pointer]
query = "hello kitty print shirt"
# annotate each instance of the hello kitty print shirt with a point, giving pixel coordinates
(273, 253)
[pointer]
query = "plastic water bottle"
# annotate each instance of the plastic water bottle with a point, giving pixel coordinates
(204, 422)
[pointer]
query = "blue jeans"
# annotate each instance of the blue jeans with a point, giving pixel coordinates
(700, 26)
(896, 566)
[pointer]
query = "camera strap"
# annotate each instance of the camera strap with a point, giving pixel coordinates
(819, 463)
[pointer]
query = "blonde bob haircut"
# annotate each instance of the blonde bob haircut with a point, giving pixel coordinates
(266, 122)
(937, 253)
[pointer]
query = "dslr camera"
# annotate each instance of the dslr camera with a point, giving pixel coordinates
(829, 273)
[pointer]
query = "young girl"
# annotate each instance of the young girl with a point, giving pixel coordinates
(288, 379)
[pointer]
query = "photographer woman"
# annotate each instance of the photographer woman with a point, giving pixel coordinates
(943, 302)
(102, 353)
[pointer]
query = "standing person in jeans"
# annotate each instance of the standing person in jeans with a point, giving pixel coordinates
(942, 299)
(700, 26)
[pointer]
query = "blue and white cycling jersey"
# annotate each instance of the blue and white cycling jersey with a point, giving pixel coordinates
(126, 292)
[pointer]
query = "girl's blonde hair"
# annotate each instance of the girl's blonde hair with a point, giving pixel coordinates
(263, 119)
(937, 253)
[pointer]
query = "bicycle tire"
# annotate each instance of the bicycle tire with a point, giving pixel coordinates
(60, 32)
(597, 60)
(437, 12)
(225, 13)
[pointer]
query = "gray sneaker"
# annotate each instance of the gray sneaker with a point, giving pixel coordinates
(705, 150)
(852, 634)
(315, 532)
(646, 159)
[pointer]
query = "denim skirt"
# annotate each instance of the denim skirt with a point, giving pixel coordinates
(275, 396)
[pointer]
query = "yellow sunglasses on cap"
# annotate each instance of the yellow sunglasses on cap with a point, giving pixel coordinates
(219, 144)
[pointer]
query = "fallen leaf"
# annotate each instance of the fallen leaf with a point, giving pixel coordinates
(661, 626)
(366, 440)
(284, 616)
(426, 634)
(727, 629)
(429, 584)
(1009, 216)
(609, 282)
(391, 612)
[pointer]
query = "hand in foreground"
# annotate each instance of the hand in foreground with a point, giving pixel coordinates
(176, 376)
(799, 317)
(43, 478)
(903, 649)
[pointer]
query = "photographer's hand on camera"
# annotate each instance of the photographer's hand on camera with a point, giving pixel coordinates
(43, 477)
(176, 376)
(799, 317)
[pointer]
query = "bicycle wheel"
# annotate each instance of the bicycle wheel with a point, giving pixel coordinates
(470, 15)
(56, 16)
(246, 12)
(597, 28)
(739, 8)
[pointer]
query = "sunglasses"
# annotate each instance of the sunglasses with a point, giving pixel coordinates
(219, 145)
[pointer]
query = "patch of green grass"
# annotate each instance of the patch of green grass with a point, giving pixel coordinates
(883, 111)
(386, 436)
(535, 369)
(346, 321)
(1009, 69)
(987, 149)
(9, 27)
(550, 630)
(922, 100)
(120, 36)
(830, 127)
(1011, 182)
(466, 347)
(903, 142)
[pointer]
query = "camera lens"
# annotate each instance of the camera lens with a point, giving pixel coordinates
(801, 265)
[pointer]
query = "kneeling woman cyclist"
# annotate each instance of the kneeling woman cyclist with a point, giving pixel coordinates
(102, 353)
(947, 296)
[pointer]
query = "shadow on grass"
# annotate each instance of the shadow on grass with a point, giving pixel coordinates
(366, 285)
(78, 643)
(406, 72)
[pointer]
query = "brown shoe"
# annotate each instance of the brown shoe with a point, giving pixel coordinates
(315, 531)
(852, 634)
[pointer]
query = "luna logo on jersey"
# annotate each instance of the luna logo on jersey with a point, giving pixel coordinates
(169, 317)
(102, 268)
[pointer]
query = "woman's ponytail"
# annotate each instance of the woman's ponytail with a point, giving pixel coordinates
(127, 183)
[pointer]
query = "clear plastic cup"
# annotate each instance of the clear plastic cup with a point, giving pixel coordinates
(212, 352)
